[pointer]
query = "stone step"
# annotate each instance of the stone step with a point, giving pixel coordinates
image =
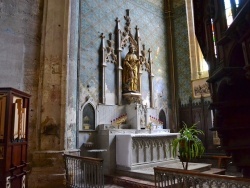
(140, 174)
(126, 181)
(191, 166)
(148, 172)
(219, 171)
(149, 164)
(137, 180)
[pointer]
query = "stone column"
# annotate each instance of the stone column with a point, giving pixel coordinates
(57, 109)
(103, 65)
(173, 114)
(138, 40)
(119, 61)
(53, 76)
(151, 76)
(72, 62)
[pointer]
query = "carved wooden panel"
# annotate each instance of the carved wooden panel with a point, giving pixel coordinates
(14, 108)
(201, 114)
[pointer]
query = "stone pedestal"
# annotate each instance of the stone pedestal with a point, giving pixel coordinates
(132, 97)
(107, 141)
(135, 117)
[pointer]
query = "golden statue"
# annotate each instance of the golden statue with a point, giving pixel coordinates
(130, 78)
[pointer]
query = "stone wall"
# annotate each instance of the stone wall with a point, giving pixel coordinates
(20, 33)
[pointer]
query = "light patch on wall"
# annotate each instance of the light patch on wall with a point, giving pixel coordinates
(157, 3)
(146, 101)
(84, 92)
(110, 96)
(157, 52)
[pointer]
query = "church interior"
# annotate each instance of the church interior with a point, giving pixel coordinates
(116, 79)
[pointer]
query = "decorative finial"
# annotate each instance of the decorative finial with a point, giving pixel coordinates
(117, 20)
(127, 11)
(102, 35)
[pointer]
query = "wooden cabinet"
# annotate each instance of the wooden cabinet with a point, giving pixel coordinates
(14, 110)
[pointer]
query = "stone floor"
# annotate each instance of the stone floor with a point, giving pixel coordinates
(140, 178)
(130, 180)
(147, 173)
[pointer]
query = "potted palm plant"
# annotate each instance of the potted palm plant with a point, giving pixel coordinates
(188, 145)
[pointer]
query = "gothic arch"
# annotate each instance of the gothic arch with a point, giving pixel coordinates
(162, 117)
(87, 115)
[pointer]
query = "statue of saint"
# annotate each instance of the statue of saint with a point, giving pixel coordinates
(130, 78)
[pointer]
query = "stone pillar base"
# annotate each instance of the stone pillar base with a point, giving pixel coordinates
(47, 169)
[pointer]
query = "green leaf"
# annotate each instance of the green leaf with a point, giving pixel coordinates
(188, 145)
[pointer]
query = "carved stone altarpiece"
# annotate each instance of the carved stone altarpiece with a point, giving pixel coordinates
(112, 54)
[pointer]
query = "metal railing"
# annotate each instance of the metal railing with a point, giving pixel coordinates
(179, 178)
(83, 172)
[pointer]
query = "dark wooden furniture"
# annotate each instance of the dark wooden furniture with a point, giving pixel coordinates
(14, 110)
(227, 52)
(222, 160)
(199, 112)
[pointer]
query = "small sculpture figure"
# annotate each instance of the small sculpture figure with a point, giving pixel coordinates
(130, 78)
(86, 123)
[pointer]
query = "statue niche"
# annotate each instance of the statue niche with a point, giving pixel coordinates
(130, 74)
